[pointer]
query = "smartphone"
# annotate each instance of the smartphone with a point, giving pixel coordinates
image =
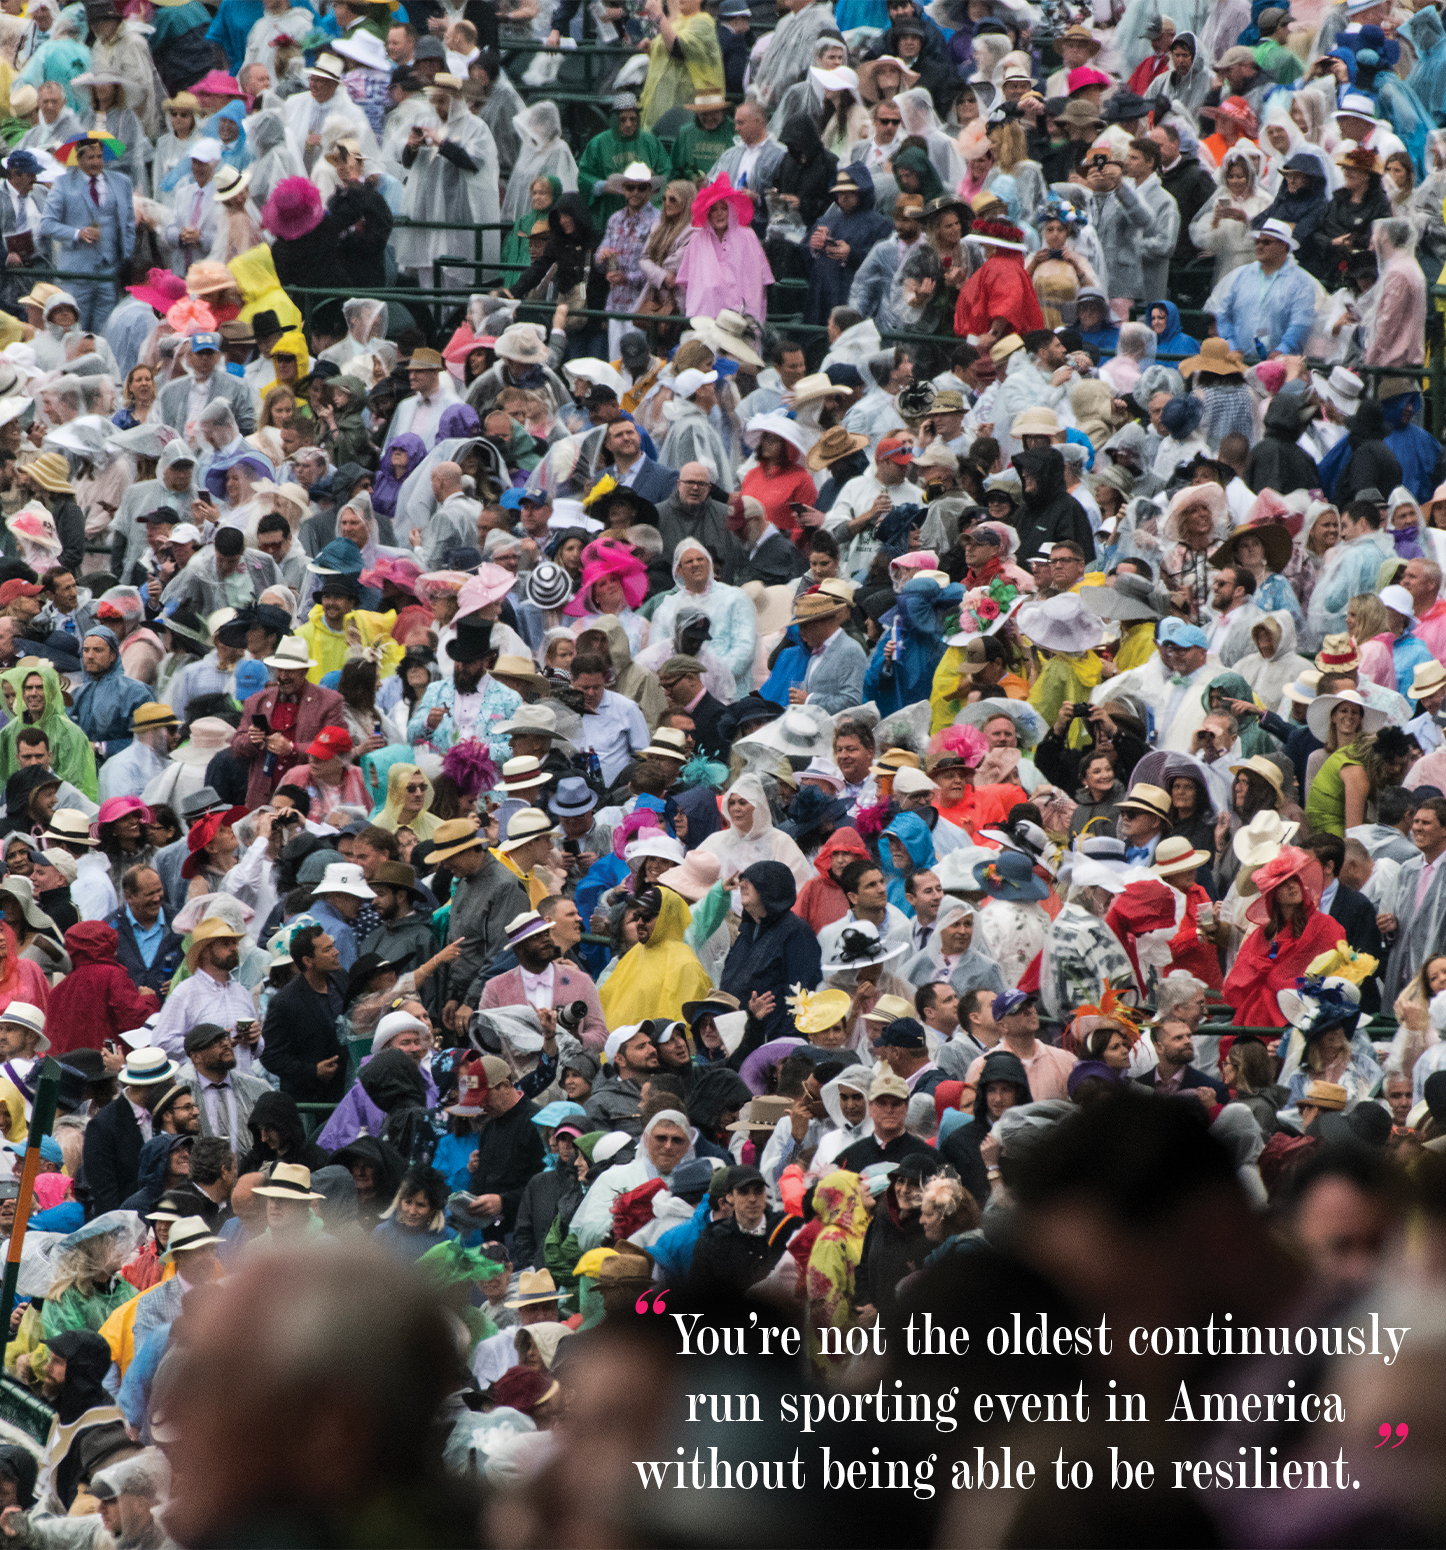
(572, 847)
(263, 721)
(795, 507)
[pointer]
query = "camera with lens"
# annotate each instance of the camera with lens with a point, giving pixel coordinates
(570, 1017)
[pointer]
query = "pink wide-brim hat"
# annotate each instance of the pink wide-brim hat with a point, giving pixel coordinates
(294, 208)
(489, 585)
(401, 572)
(628, 570)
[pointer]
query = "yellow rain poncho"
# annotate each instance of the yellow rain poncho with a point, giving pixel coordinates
(656, 977)
(261, 291)
(329, 647)
(425, 824)
(673, 82)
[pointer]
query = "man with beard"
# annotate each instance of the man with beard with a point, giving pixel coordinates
(472, 705)
(540, 981)
(224, 1096)
(209, 994)
(404, 937)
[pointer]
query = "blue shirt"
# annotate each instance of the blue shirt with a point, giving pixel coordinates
(1277, 310)
(340, 931)
(148, 938)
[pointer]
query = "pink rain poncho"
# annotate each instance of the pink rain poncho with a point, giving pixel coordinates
(728, 272)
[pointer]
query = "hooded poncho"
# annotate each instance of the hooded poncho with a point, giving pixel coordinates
(1269, 677)
(732, 618)
(104, 705)
(838, 1202)
(543, 154)
(71, 756)
(656, 977)
(440, 190)
(821, 901)
(724, 273)
(831, 279)
(913, 834)
(737, 850)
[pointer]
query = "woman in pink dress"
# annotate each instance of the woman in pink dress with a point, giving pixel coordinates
(724, 267)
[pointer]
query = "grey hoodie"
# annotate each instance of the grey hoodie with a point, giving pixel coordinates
(127, 532)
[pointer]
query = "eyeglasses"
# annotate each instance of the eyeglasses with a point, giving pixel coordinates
(417, 790)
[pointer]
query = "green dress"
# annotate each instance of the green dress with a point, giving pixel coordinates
(1325, 805)
(608, 153)
(695, 149)
(71, 756)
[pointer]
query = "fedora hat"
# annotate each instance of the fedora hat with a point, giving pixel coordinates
(1261, 839)
(530, 824)
(146, 1066)
(152, 717)
(228, 183)
(70, 827)
(520, 342)
(1080, 34)
(1338, 654)
(520, 668)
(1267, 769)
(1082, 113)
(1426, 680)
(1128, 596)
(534, 720)
(1324, 1095)
(288, 1181)
(728, 332)
(889, 1008)
(188, 1233)
(1177, 854)
(1302, 691)
(28, 1016)
(1148, 799)
(213, 929)
(718, 1003)
(292, 652)
(816, 385)
(1342, 388)
(573, 798)
(452, 838)
(1035, 422)
(811, 606)
(1215, 356)
(942, 205)
(524, 773)
(764, 1113)
(533, 1287)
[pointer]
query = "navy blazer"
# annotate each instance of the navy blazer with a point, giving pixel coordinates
(69, 209)
(1191, 1079)
(111, 1156)
(655, 481)
(128, 953)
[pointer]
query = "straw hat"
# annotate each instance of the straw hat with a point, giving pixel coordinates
(213, 929)
(1274, 539)
(1177, 854)
(1267, 769)
(1215, 356)
(812, 606)
(452, 838)
(1148, 799)
(1427, 679)
(816, 1012)
(289, 1181)
(51, 472)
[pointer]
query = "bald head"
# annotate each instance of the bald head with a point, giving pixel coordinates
(446, 480)
(248, 1205)
(694, 482)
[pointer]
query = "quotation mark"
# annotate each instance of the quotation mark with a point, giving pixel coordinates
(1384, 1432)
(641, 1305)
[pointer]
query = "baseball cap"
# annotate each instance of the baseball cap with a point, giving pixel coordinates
(184, 533)
(889, 1086)
(205, 341)
(903, 1033)
(17, 588)
(330, 743)
(895, 449)
(1008, 1001)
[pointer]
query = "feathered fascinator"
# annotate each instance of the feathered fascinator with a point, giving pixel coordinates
(967, 742)
(1343, 962)
(472, 768)
(627, 831)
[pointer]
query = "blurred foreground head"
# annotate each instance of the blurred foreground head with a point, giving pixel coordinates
(305, 1409)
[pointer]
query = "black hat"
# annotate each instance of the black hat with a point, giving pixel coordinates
(162, 515)
(266, 324)
(403, 76)
(1125, 106)
(367, 967)
(203, 1036)
(464, 557)
(472, 642)
(233, 634)
(344, 585)
(741, 1176)
(267, 616)
(185, 623)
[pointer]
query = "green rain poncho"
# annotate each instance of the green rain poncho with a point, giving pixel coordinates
(608, 153)
(1254, 738)
(71, 756)
(912, 159)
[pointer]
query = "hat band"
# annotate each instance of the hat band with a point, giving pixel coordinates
(289, 1188)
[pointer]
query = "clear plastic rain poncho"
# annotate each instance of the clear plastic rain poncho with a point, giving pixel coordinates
(366, 321)
(543, 154)
(916, 109)
(271, 158)
(1393, 311)
(1280, 139)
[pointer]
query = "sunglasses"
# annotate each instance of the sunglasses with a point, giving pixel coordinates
(891, 122)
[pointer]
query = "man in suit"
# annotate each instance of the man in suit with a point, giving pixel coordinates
(20, 211)
(206, 379)
(224, 1095)
(90, 212)
(682, 681)
(769, 554)
(301, 1048)
(1174, 1076)
(542, 982)
(835, 676)
(114, 1137)
(632, 468)
(283, 718)
(1351, 908)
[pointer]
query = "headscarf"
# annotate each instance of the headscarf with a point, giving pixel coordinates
(547, 1336)
(530, 217)
(838, 1202)
(1254, 738)
(656, 977)
(426, 823)
(915, 160)
(387, 485)
(913, 834)
(71, 756)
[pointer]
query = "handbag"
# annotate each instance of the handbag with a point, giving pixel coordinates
(576, 298)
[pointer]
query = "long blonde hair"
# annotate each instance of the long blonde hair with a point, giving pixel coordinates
(1010, 145)
(670, 228)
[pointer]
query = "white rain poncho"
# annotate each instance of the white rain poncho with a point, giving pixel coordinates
(499, 113)
(174, 155)
(543, 153)
(841, 1135)
(366, 320)
(439, 190)
(916, 108)
(692, 438)
(789, 54)
(306, 116)
(149, 495)
(272, 159)
(731, 615)
(737, 850)
(414, 112)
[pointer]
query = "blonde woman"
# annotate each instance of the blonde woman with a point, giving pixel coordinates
(665, 249)
(1369, 627)
(1011, 159)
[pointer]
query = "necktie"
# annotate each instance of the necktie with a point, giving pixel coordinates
(95, 192)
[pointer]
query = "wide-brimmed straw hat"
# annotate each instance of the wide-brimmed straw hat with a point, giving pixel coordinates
(1215, 356)
(1274, 539)
(1266, 769)
(1318, 717)
(1177, 854)
(288, 1181)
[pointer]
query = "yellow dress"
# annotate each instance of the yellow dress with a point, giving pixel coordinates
(656, 977)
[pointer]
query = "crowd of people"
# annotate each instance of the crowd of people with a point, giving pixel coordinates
(512, 807)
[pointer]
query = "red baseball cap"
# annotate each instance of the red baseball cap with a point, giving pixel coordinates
(17, 588)
(331, 743)
(895, 449)
(472, 1088)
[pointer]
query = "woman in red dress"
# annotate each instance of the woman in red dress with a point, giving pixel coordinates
(1290, 931)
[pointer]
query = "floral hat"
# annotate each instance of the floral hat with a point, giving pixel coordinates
(985, 611)
(1290, 862)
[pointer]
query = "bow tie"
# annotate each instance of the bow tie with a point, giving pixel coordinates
(1137, 853)
(1179, 680)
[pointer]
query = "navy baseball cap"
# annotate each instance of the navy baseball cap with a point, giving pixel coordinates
(1009, 1001)
(205, 341)
(903, 1033)
(841, 374)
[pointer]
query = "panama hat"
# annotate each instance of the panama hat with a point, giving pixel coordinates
(452, 838)
(1427, 679)
(146, 1066)
(533, 1287)
(1267, 769)
(1177, 854)
(524, 773)
(1343, 389)
(188, 1233)
(288, 1181)
(1148, 799)
(1261, 839)
(70, 827)
(28, 1016)
(292, 652)
(533, 721)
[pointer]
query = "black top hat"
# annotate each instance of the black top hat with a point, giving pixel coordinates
(472, 642)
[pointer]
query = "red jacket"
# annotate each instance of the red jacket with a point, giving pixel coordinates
(821, 901)
(999, 288)
(318, 708)
(96, 1001)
